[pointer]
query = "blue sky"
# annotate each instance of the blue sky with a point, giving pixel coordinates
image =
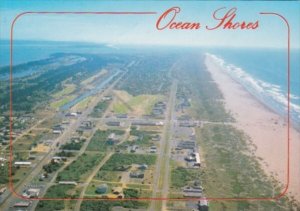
(126, 29)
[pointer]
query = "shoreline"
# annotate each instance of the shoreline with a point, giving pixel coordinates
(267, 129)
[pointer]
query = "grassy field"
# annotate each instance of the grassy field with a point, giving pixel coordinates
(112, 176)
(140, 138)
(108, 205)
(181, 177)
(57, 104)
(29, 140)
(68, 89)
(83, 104)
(140, 105)
(98, 141)
(72, 145)
(100, 108)
(81, 167)
(58, 191)
(118, 160)
(91, 79)
(52, 167)
(21, 154)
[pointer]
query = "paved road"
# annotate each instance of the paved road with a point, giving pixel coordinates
(165, 188)
(163, 149)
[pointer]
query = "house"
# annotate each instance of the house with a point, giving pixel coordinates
(153, 150)
(123, 168)
(32, 193)
(159, 123)
(190, 158)
(72, 114)
(2, 190)
(143, 123)
(157, 112)
(143, 167)
(155, 138)
(133, 148)
(102, 189)
(22, 163)
(67, 183)
(22, 204)
(194, 189)
(2, 159)
(203, 205)
(198, 161)
(122, 116)
(192, 195)
(57, 132)
(58, 159)
(187, 124)
(86, 125)
(57, 127)
(113, 123)
(107, 98)
(112, 139)
(137, 174)
(117, 190)
(186, 145)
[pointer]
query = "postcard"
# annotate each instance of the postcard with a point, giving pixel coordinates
(149, 105)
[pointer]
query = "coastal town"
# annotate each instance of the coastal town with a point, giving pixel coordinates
(131, 133)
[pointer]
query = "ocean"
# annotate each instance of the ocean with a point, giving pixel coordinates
(263, 72)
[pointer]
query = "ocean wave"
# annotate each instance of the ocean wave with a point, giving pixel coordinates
(273, 95)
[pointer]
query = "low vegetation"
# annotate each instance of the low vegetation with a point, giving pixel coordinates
(119, 160)
(52, 167)
(181, 177)
(112, 176)
(150, 76)
(57, 191)
(195, 82)
(100, 108)
(79, 168)
(108, 205)
(231, 167)
(73, 145)
(99, 140)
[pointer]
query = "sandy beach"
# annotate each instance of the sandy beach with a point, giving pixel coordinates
(267, 130)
